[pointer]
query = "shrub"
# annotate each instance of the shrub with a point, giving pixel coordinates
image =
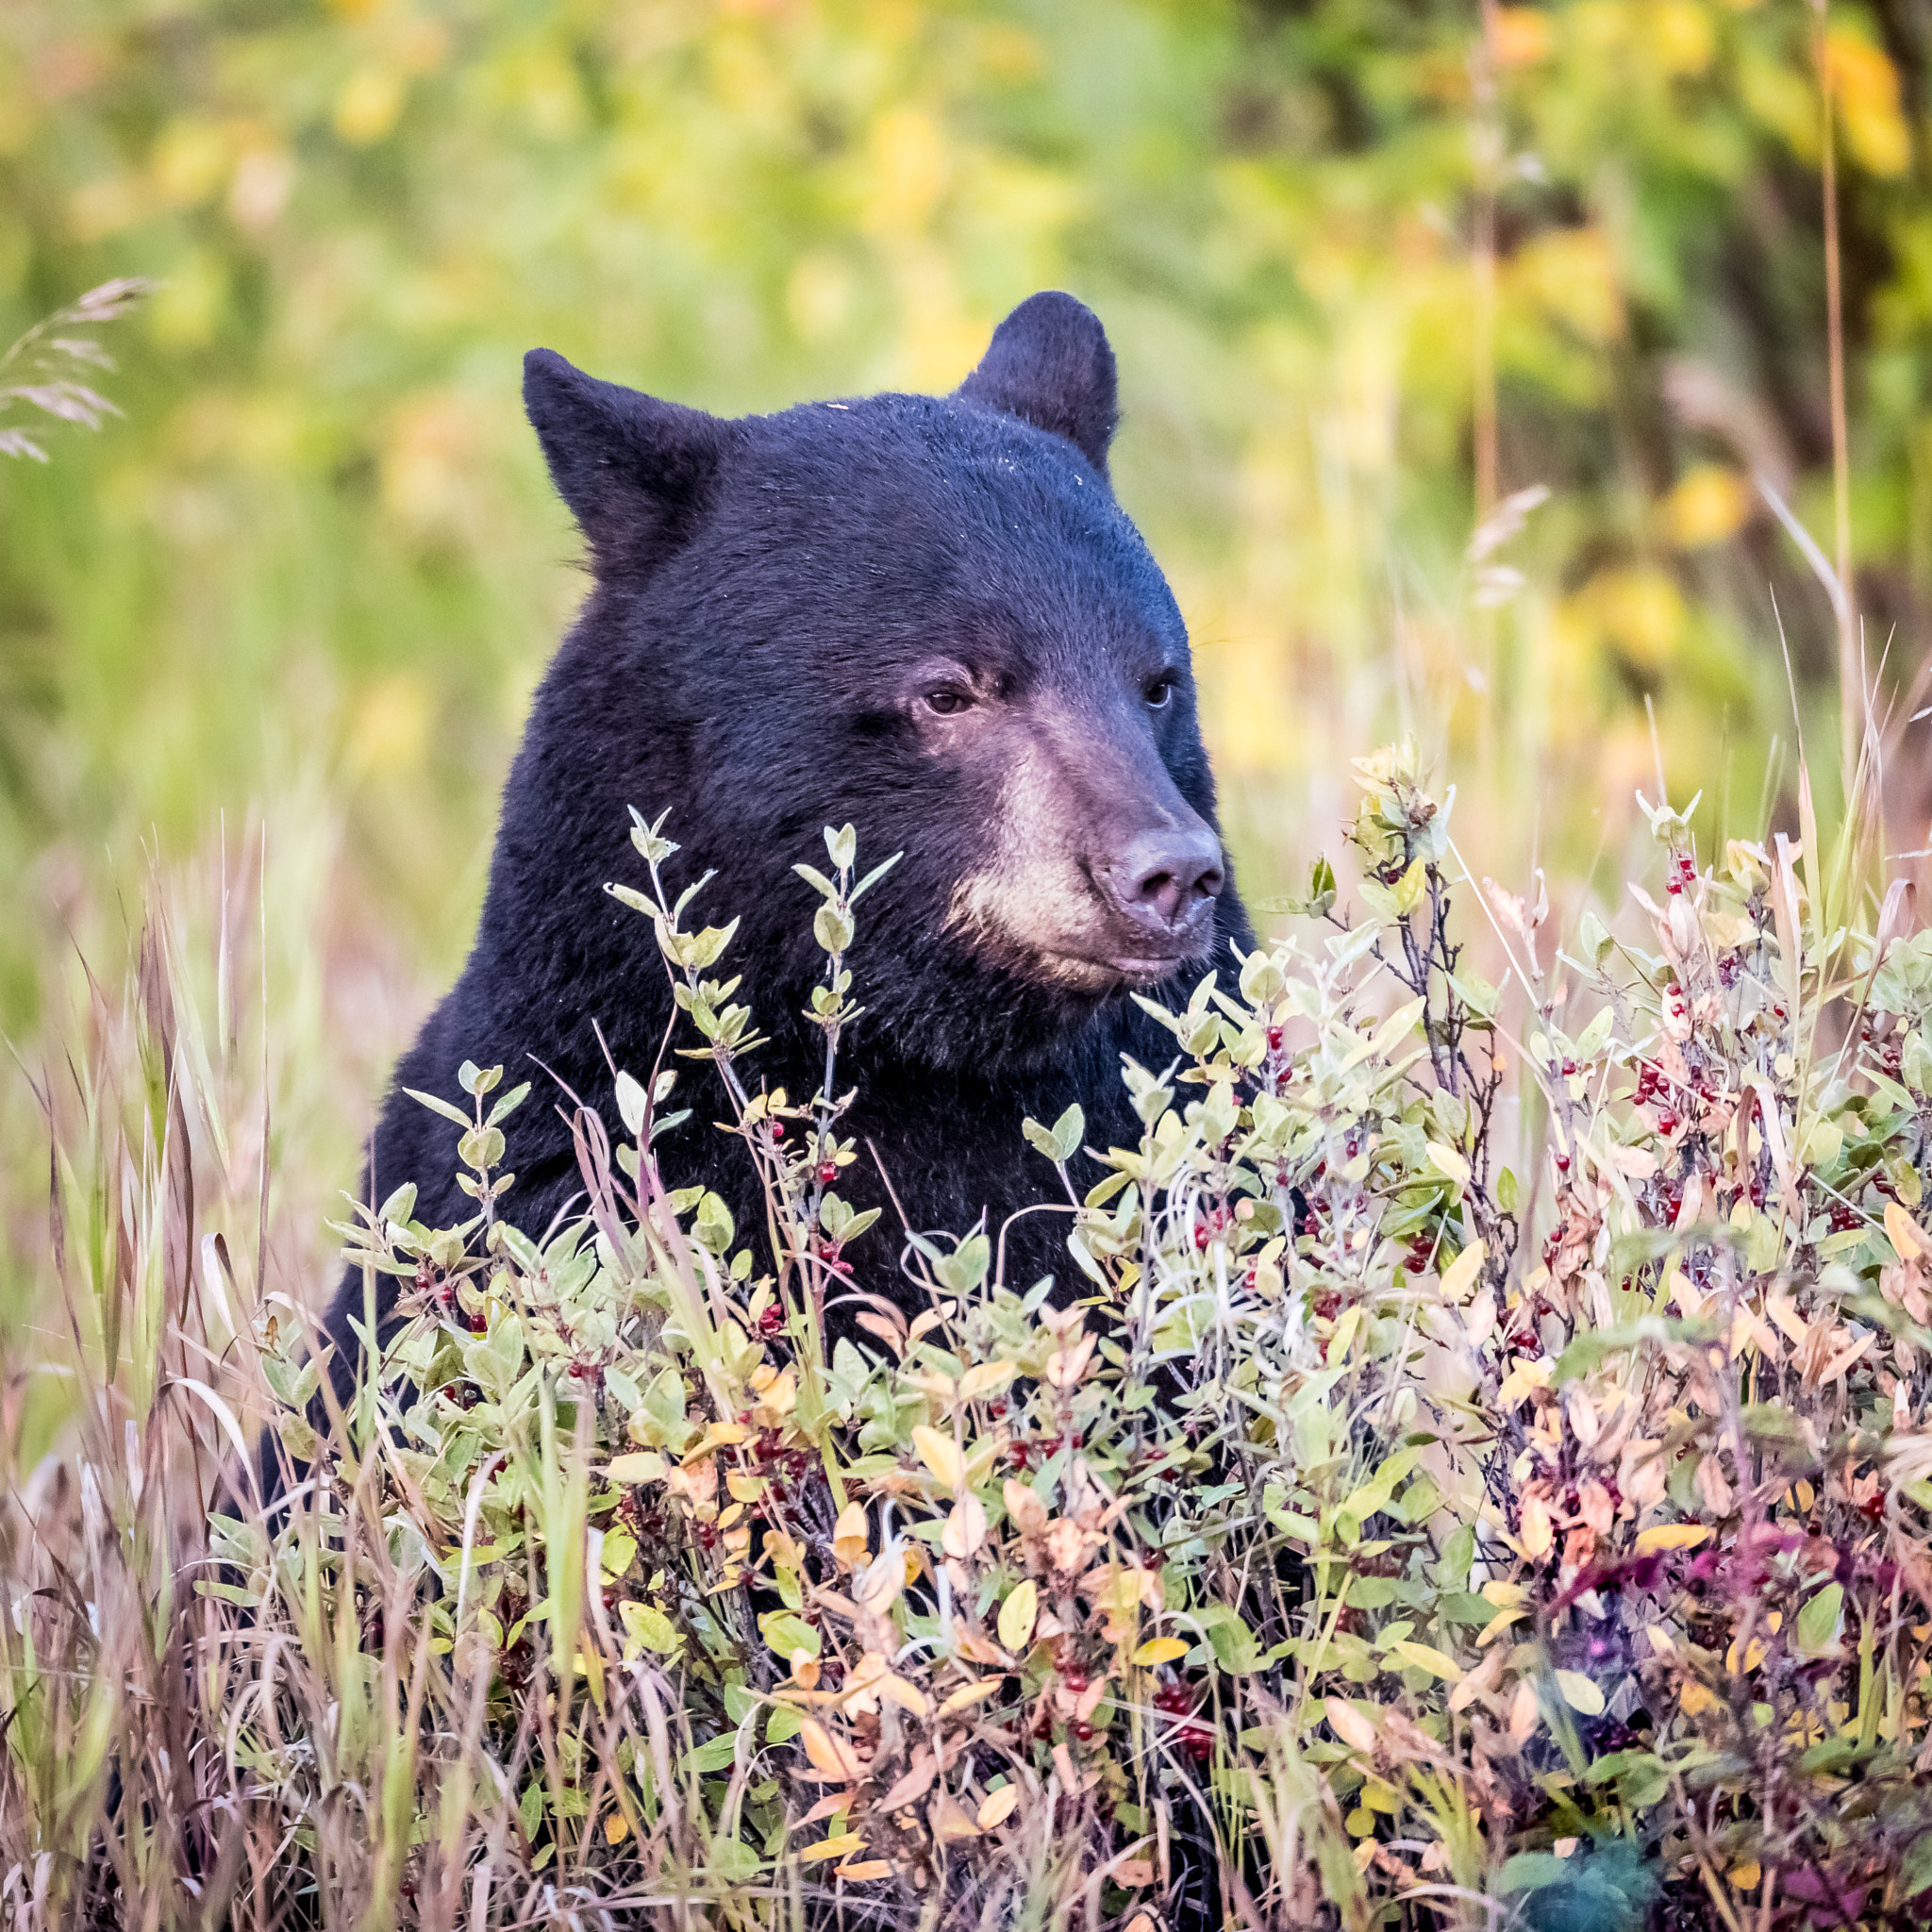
(1376, 1534)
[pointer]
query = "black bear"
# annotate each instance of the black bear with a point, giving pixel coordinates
(924, 615)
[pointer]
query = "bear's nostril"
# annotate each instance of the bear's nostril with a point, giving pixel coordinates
(1171, 875)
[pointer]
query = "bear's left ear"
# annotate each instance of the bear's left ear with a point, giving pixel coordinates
(637, 473)
(1049, 364)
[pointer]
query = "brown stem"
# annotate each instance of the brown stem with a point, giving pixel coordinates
(1851, 682)
(1489, 137)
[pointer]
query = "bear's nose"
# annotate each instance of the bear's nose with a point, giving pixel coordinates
(1168, 878)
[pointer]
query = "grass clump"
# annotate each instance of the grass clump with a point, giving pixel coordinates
(1479, 1475)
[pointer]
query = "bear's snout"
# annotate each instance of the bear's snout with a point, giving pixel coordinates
(1165, 882)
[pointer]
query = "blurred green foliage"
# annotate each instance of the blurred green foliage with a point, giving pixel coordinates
(317, 570)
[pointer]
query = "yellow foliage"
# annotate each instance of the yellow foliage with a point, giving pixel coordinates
(1865, 89)
(1571, 273)
(1522, 36)
(1680, 36)
(369, 105)
(1709, 503)
(1636, 610)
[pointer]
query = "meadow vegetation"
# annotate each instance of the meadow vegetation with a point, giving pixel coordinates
(1474, 1470)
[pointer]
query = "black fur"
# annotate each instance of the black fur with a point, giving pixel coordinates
(765, 592)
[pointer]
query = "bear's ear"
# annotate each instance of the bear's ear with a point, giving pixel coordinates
(635, 471)
(1049, 364)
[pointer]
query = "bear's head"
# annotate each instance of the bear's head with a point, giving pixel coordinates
(927, 616)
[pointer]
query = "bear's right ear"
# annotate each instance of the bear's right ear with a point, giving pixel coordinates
(1050, 364)
(635, 471)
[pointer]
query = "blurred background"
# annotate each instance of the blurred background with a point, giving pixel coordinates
(1371, 269)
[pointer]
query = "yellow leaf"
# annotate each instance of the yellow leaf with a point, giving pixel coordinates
(970, 1694)
(949, 1820)
(1535, 1527)
(1425, 1657)
(1695, 1698)
(647, 1467)
(850, 1535)
(1670, 1536)
(1350, 1725)
(746, 1489)
(997, 1806)
(1017, 1614)
(1580, 1693)
(1746, 1875)
(840, 1847)
(827, 1753)
(1497, 1624)
(906, 1696)
(1161, 1650)
(1524, 1713)
(862, 1873)
(1447, 1161)
(616, 1828)
(1458, 1278)
(1064, 1367)
(1906, 1235)
(1134, 1873)
(940, 1455)
(987, 1379)
(965, 1527)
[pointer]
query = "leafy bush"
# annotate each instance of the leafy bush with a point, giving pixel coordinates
(1378, 1533)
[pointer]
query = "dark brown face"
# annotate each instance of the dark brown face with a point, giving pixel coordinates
(1092, 872)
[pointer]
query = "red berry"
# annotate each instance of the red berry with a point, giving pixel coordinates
(1667, 1123)
(1275, 1039)
(1197, 1740)
(1562, 1163)
(771, 1321)
(1083, 1731)
(828, 1172)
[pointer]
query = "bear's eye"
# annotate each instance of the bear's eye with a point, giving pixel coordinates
(1157, 693)
(948, 701)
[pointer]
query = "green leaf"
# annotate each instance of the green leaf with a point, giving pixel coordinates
(873, 877)
(964, 1269)
(1820, 1621)
(508, 1104)
(632, 1104)
(786, 1633)
(494, 1360)
(442, 1107)
(1582, 1694)
(477, 1081)
(843, 845)
(1230, 1639)
(399, 1207)
(832, 927)
(1532, 1871)
(1060, 1143)
(717, 1755)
